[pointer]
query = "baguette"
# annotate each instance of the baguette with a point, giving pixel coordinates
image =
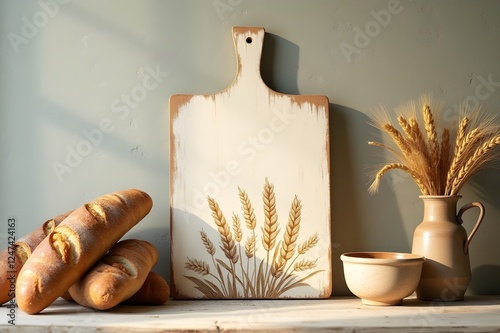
(13, 258)
(154, 291)
(75, 245)
(117, 276)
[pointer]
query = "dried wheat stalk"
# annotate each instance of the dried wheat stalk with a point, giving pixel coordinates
(308, 244)
(444, 160)
(481, 155)
(437, 167)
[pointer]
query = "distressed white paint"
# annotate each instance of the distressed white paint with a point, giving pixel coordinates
(238, 138)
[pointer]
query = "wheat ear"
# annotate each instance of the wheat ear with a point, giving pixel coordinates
(270, 230)
(374, 186)
(197, 266)
(248, 212)
(469, 142)
(250, 246)
(475, 162)
(209, 246)
(238, 234)
(304, 265)
(308, 244)
(290, 237)
(461, 132)
(405, 126)
(228, 245)
(430, 129)
(398, 139)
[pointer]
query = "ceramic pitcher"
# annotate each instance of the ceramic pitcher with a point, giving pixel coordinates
(442, 239)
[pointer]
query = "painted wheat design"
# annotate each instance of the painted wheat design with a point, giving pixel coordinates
(240, 275)
(289, 239)
(440, 163)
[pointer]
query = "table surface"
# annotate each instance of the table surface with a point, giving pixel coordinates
(474, 314)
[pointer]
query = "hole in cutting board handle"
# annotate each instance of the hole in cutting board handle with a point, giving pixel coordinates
(249, 40)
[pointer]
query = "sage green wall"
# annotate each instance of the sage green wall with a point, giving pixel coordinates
(95, 77)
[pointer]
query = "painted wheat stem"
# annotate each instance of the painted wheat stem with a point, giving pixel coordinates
(250, 246)
(209, 246)
(308, 244)
(304, 265)
(248, 212)
(251, 223)
(228, 245)
(270, 230)
(238, 234)
(197, 266)
(290, 236)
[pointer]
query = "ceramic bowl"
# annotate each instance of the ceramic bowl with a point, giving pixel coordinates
(382, 278)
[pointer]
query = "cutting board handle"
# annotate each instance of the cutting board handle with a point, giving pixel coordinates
(248, 42)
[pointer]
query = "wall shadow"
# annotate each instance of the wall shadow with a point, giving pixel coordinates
(279, 64)
(485, 280)
(354, 210)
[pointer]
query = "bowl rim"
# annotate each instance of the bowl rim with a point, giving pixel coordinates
(384, 257)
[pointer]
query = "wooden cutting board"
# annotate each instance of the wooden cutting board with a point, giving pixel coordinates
(250, 188)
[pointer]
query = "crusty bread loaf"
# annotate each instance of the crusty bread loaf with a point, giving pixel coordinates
(117, 276)
(75, 245)
(13, 258)
(154, 291)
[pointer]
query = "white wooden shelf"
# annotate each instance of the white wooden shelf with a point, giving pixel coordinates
(474, 314)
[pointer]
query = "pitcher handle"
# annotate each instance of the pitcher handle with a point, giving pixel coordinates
(479, 220)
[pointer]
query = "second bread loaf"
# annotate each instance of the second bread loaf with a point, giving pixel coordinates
(76, 245)
(117, 276)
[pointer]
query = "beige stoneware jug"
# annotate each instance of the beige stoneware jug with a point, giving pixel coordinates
(444, 243)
